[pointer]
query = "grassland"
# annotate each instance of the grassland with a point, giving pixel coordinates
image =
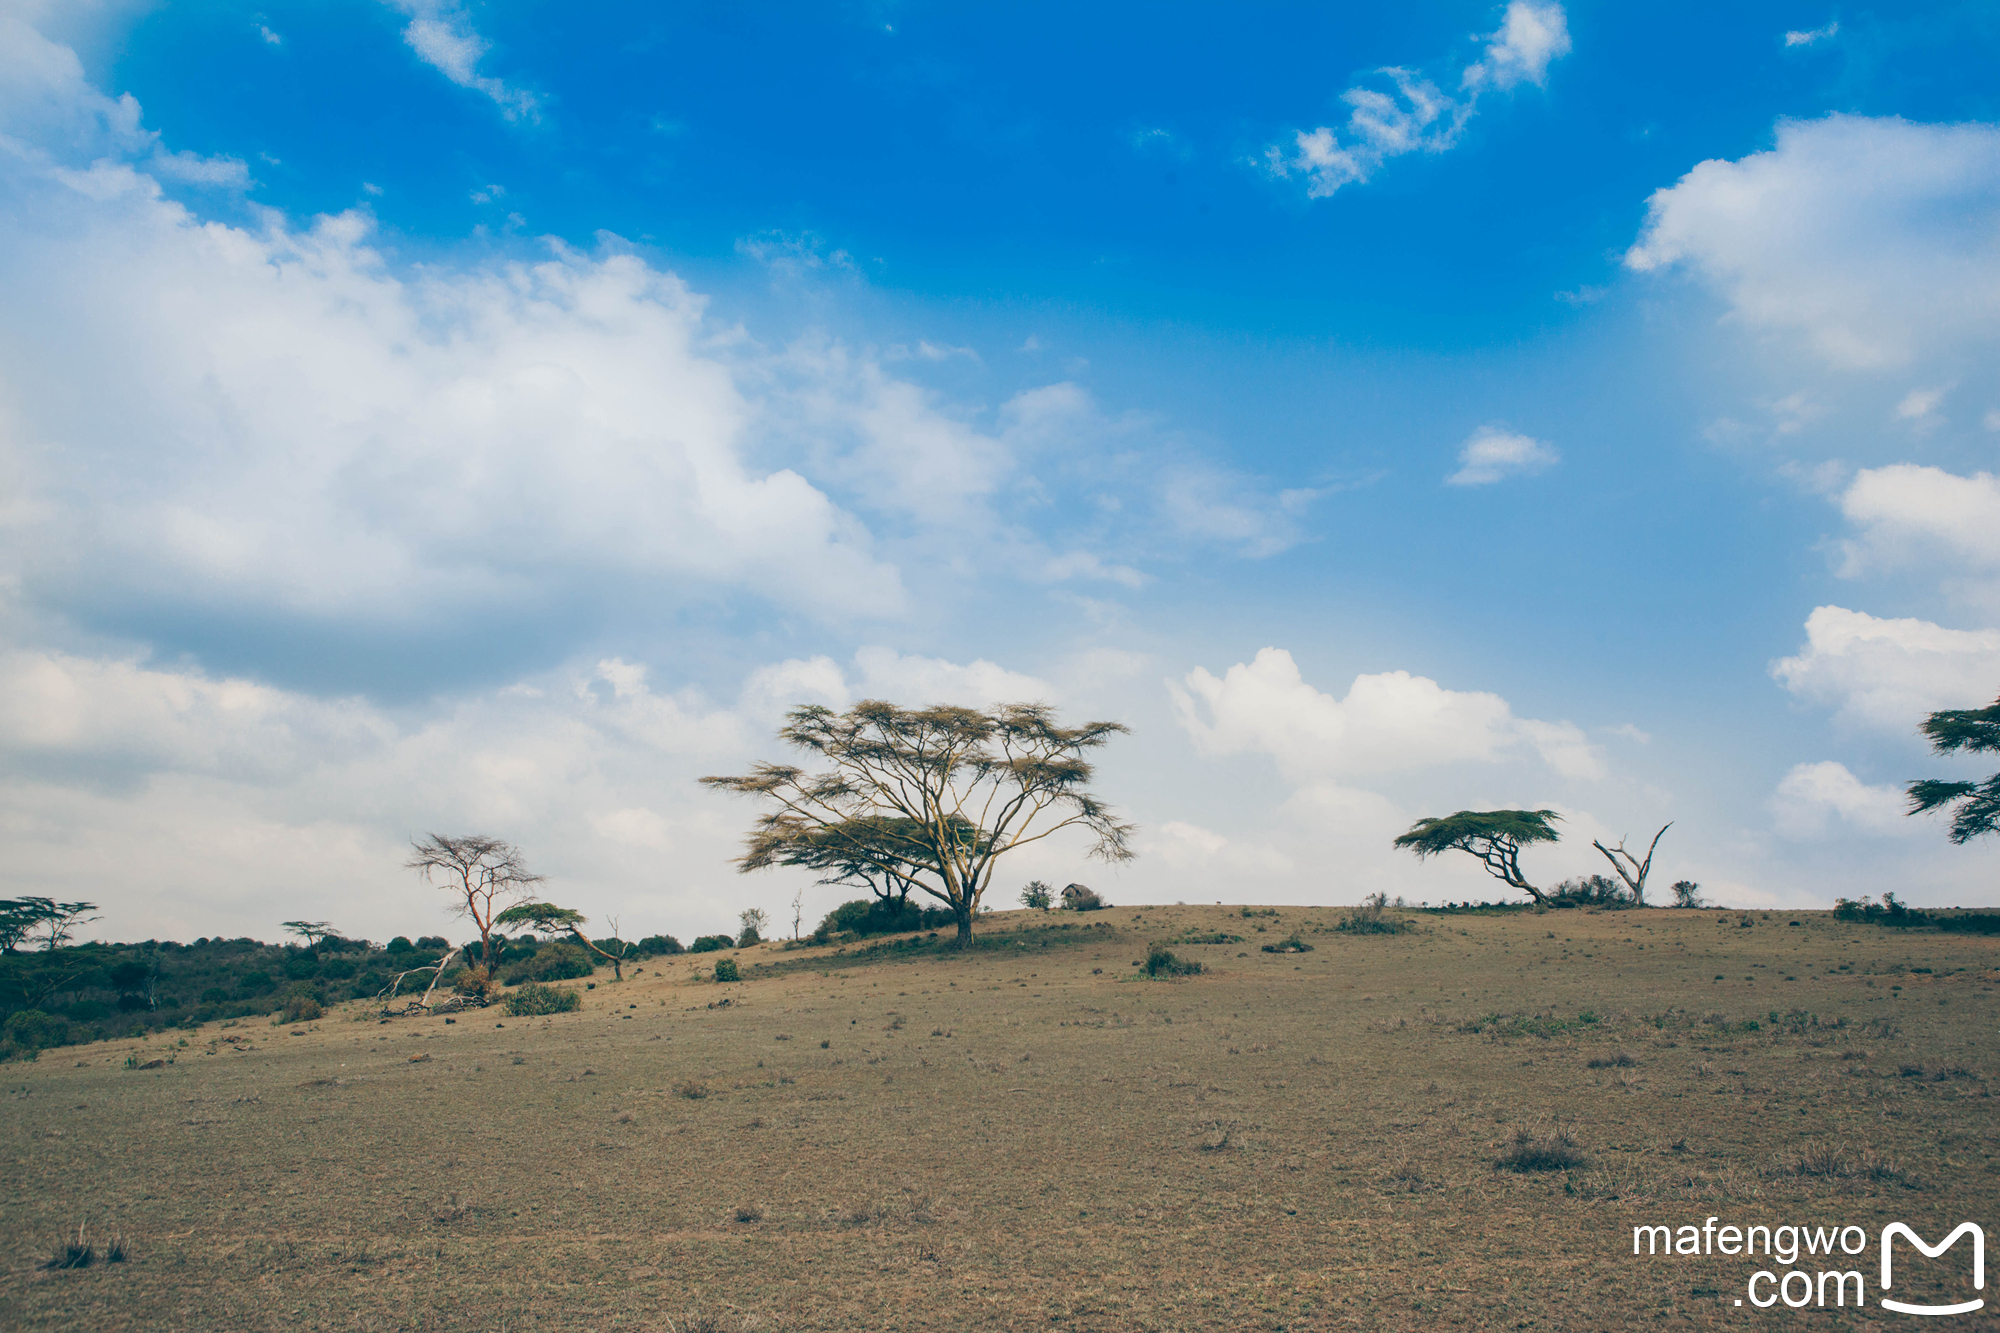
(1036, 1136)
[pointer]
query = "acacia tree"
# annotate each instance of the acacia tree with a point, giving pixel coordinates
(1971, 730)
(312, 932)
(1496, 837)
(927, 800)
(1629, 867)
(483, 876)
(548, 919)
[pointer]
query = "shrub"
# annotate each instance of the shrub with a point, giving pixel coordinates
(338, 969)
(433, 942)
(1590, 891)
(1290, 944)
(301, 1009)
(1038, 894)
(215, 995)
(1555, 1151)
(1163, 962)
(535, 998)
(400, 944)
(560, 961)
(35, 1030)
(471, 981)
(879, 916)
(254, 983)
(659, 945)
(748, 938)
(710, 943)
(92, 1011)
(1687, 893)
(726, 970)
(1370, 919)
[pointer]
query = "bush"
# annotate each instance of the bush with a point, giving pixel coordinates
(726, 970)
(92, 1011)
(1162, 962)
(401, 944)
(35, 1030)
(710, 943)
(1687, 893)
(559, 961)
(255, 983)
(1038, 894)
(535, 998)
(215, 995)
(1590, 891)
(879, 916)
(471, 981)
(659, 946)
(433, 942)
(1290, 944)
(1554, 1151)
(1370, 919)
(301, 1009)
(748, 938)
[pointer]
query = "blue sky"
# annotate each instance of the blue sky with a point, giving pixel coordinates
(424, 415)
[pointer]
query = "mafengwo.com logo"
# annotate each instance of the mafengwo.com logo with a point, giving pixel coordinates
(1822, 1280)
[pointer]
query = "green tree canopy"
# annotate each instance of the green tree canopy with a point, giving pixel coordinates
(1969, 731)
(926, 799)
(1496, 837)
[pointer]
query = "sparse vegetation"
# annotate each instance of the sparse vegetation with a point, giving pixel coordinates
(1163, 962)
(1550, 1150)
(535, 998)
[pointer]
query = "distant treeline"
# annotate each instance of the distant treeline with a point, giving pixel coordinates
(86, 992)
(1889, 912)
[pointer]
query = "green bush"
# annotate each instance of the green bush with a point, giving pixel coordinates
(1037, 895)
(33, 1029)
(749, 938)
(1163, 962)
(535, 998)
(660, 945)
(215, 995)
(710, 943)
(878, 916)
(1370, 919)
(726, 970)
(560, 961)
(254, 983)
(301, 1009)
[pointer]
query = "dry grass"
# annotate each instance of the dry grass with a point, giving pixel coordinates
(1292, 1140)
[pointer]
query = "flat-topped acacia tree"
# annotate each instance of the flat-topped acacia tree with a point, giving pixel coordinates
(926, 800)
(1969, 731)
(1496, 837)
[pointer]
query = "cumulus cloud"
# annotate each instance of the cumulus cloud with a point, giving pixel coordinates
(1387, 723)
(1888, 674)
(1408, 113)
(1492, 454)
(1810, 796)
(1908, 513)
(1810, 36)
(442, 35)
(1870, 239)
(883, 673)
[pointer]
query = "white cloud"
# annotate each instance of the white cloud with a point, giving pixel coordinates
(1908, 512)
(442, 35)
(883, 673)
(271, 38)
(1492, 454)
(1888, 674)
(1920, 405)
(1869, 238)
(1812, 35)
(1809, 795)
(1412, 114)
(1388, 722)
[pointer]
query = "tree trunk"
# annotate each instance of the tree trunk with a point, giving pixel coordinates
(963, 911)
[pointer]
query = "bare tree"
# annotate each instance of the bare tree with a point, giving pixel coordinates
(928, 799)
(798, 910)
(1629, 867)
(483, 875)
(752, 920)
